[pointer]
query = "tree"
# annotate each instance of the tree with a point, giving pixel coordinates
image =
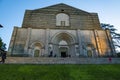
(115, 36)
(2, 45)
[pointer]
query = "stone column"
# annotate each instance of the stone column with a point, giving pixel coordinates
(26, 51)
(112, 48)
(79, 42)
(56, 50)
(47, 34)
(97, 42)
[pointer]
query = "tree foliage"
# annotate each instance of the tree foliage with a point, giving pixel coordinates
(2, 45)
(115, 36)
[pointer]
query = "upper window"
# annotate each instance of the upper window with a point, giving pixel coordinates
(62, 19)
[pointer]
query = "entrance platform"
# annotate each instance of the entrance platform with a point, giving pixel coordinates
(45, 60)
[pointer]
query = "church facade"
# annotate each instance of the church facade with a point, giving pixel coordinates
(60, 31)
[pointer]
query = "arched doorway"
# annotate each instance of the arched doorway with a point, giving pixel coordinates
(89, 50)
(36, 49)
(63, 48)
(63, 44)
(37, 52)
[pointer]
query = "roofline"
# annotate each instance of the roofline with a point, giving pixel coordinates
(62, 4)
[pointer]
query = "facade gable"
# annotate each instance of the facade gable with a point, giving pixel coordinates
(46, 18)
(62, 8)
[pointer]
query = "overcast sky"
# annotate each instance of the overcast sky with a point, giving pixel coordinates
(12, 12)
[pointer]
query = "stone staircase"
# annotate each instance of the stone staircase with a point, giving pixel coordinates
(50, 60)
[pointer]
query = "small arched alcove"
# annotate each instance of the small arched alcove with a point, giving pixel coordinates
(36, 49)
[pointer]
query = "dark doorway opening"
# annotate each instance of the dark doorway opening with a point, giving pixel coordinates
(63, 54)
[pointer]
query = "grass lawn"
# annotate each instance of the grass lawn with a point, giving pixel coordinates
(59, 72)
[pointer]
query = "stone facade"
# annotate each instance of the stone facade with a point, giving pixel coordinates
(60, 31)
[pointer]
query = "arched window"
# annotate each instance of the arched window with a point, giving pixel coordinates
(62, 19)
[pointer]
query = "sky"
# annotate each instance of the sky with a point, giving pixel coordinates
(12, 12)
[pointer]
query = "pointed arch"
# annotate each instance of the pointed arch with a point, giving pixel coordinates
(63, 44)
(68, 37)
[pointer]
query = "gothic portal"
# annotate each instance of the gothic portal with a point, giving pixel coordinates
(60, 31)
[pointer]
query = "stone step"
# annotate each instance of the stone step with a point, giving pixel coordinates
(47, 60)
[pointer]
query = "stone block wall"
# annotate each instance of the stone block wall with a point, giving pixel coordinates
(46, 18)
(23, 39)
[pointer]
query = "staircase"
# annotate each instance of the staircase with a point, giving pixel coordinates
(50, 60)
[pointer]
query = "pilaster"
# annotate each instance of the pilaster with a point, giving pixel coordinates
(12, 42)
(79, 41)
(111, 45)
(26, 51)
(97, 42)
(47, 32)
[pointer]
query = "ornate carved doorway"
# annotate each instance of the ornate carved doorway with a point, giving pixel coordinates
(63, 45)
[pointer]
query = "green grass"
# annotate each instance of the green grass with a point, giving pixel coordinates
(59, 72)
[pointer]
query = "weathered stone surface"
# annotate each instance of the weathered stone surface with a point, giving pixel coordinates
(39, 35)
(46, 18)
